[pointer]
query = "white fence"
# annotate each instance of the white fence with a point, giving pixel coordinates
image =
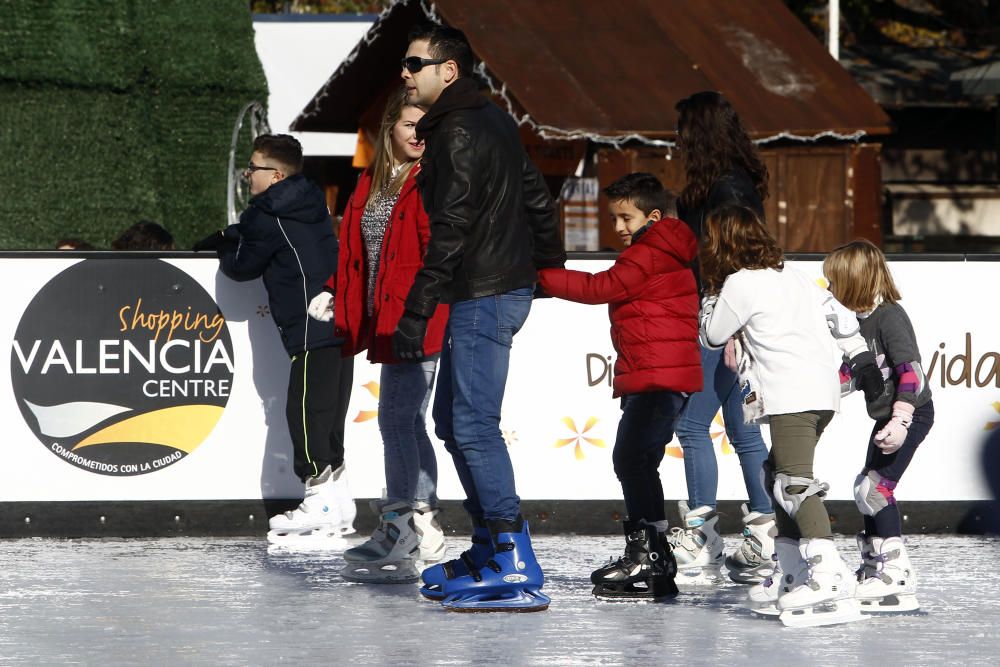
(123, 385)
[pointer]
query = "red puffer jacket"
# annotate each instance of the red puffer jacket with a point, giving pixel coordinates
(403, 248)
(653, 304)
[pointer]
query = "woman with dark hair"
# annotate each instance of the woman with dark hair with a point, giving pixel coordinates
(723, 169)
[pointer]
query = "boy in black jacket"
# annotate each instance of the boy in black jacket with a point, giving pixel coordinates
(286, 236)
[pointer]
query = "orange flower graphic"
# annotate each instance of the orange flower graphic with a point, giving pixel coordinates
(992, 425)
(578, 435)
(717, 432)
(366, 415)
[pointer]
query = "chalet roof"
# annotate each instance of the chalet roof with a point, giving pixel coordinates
(617, 68)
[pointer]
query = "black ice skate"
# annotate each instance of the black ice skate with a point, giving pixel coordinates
(645, 572)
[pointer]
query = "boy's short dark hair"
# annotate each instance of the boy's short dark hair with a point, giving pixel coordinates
(645, 192)
(282, 148)
(447, 43)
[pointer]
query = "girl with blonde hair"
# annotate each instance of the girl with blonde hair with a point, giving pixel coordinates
(860, 279)
(383, 238)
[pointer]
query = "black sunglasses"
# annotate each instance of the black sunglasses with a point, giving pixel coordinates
(415, 63)
(251, 168)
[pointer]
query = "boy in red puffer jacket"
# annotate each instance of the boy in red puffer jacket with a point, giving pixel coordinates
(652, 300)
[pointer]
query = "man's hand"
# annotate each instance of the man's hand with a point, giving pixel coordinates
(321, 307)
(408, 340)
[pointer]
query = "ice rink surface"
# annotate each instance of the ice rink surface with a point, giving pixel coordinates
(210, 601)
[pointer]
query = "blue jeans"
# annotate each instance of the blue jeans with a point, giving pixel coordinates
(474, 363)
(646, 426)
(410, 463)
(700, 466)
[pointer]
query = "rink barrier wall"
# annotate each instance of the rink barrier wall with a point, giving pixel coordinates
(248, 518)
(87, 437)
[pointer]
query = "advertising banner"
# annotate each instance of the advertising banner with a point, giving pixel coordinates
(136, 378)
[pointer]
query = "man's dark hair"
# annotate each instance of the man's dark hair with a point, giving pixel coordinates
(645, 192)
(447, 43)
(144, 235)
(283, 149)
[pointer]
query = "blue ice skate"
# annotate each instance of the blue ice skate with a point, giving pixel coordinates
(473, 559)
(510, 581)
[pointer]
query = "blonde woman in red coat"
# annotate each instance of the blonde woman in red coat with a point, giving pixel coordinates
(383, 237)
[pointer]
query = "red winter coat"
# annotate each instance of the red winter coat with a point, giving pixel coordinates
(403, 248)
(653, 304)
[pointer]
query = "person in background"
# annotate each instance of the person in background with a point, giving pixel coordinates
(723, 168)
(73, 244)
(144, 235)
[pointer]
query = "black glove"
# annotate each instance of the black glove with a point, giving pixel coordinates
(408, 340)
(867, 376)
(211, 242)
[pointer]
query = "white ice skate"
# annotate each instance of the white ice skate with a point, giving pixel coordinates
(789, 572)
(393, 560)
(697, 547)
(432, 548)
(342, 492)
(893, 587)
(317, 523)
(752, 562)
(826, 597)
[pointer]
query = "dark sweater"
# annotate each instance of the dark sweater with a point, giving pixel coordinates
(286, 237)
(890, 337)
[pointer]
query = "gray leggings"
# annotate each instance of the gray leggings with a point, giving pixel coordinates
(793, 446)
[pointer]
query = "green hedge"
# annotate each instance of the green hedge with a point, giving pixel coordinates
(119, 110)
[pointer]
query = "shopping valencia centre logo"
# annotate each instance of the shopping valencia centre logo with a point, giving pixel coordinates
(122, 367)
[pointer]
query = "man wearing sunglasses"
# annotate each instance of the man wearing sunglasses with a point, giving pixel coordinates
(493, 223)
(286, 237)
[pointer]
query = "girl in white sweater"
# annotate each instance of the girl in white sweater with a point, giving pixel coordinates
(788, 361)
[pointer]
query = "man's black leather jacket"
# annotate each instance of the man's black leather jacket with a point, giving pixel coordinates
(492, 219)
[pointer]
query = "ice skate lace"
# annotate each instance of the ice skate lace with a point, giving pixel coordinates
(621, 563)
(302, 508)
(810, 564)
(880, 561)
(869, 567)
(683, 538)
